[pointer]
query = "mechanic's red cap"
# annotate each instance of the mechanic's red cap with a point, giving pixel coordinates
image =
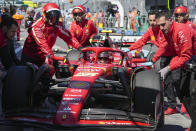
(181, 10)
(79, 9)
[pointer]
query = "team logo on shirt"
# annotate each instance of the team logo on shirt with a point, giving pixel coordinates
(76, 10)
(178, 10)
(86, 31)
(76, 31)
(53, 35)
(152, 37)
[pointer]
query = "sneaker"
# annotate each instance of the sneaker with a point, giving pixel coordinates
(170, 111)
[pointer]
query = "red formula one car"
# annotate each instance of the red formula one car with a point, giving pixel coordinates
(99, 88)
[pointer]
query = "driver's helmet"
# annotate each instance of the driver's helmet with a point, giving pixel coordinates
(51, 11)
(103, 58)
(139, 53)
(182, 10)
(80, 11)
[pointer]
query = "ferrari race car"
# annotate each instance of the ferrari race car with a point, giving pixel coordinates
(99, 88)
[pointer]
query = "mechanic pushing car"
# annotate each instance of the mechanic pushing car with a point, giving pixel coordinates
(8, 29)
(179, 37)
(43, 34)
(81, 28)
(156, 36)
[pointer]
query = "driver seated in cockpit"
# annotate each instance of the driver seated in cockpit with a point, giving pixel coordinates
(104, 58)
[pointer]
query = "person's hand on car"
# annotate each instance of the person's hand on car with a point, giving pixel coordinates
(164, 72)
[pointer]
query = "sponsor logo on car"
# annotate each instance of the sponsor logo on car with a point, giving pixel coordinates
(75, 91)
(117, 123)
(86, 74)
(67, 109)
(64, 116)
(73, 95)
(90, 70)
(80, 84)
(70, 102)
(72, 99)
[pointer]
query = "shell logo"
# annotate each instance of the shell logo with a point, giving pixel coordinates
(76, 10)
(152, 37)
(76, 31)
(64, 116)
(178, 10)
(101, 122)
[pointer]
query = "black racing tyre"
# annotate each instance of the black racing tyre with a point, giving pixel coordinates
(73, 55)
(161, 121)
(148, 95)
(17, 84)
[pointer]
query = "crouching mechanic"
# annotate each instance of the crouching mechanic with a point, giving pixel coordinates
(179, 37)
(81, 28)
(43, 34)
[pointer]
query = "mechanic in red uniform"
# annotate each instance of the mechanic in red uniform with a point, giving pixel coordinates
(8, 29)
(154, 35)
(81, 28)
(157, 38)
(43, 34)
(179, 37)
(181, 15)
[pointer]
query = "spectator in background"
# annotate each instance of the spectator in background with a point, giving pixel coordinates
(5, 13)
(137, 23)
(118, 19)
(8, 29)
(31, 16)
(18, 18)
(95, 16)
(195, 20)
(101, 18)
(133, 24)
(88, 15)
(130, 19)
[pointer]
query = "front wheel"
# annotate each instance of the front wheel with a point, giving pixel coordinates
(148, 95)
